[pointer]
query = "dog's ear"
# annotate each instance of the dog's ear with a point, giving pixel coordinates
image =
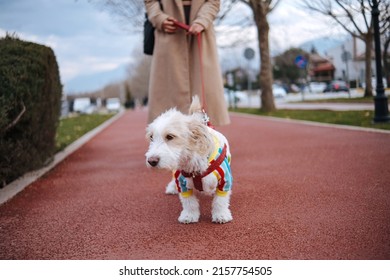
(195, 107)
(200, 137)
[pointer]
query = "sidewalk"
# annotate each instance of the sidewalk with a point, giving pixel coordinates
(300, 192)
(327, 106)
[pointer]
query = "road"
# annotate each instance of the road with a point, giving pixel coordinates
(300, 192)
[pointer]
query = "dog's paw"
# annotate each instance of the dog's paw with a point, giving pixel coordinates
(222, 217)
(171, 188)
(187, 217)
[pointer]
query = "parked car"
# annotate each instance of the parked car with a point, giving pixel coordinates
(295, 88)
(113, 104)
(373, 83)
(235, 98)
(90, 109)
(278, 91)
(315, 87)
(80, 105)
(336, 86)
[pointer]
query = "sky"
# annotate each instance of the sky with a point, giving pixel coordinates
(88, 40)
(85, 39)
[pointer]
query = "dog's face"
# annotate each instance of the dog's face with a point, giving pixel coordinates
(178, 142)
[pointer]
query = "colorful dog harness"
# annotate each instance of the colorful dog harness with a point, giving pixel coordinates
(219, 166)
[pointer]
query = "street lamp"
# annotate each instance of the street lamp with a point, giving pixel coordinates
(380, 100)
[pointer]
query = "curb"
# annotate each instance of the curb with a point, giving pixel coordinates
(13, 188)
(312, 123)
(326, 106)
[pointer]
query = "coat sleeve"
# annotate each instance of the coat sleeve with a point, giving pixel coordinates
(155, 14)
(207, 13)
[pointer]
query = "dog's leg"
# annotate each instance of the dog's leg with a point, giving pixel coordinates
(171, 187)
(220, 208)
(190, 212)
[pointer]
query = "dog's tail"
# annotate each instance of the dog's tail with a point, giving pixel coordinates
(195, 107)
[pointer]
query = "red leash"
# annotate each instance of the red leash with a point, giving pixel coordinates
(197, 178)
(199, 38)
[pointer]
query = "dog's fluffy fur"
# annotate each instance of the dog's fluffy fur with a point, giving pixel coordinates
(184, 142)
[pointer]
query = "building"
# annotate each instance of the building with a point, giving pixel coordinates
(349, 61)
(320, 68)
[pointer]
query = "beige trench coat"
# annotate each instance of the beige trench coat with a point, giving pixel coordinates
(175, 72)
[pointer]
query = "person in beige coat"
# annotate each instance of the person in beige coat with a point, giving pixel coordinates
(176, 71)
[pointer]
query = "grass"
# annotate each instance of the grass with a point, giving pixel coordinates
(364, 100)
(72, 128)
(353, 118)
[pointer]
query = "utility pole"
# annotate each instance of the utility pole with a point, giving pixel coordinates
(345, 57)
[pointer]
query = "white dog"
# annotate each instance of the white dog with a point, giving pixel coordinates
(199, 158)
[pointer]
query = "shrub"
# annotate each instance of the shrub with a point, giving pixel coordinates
(30, 100)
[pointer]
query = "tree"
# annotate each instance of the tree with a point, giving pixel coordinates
(285, 68)
(386, 59)
(355, 18)
(132, 11)
(385, 30)
(129, 13)
(261, 9)
(129, 100)
(139, 74)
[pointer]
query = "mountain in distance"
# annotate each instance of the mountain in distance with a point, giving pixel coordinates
(96, 81)
(322, 44)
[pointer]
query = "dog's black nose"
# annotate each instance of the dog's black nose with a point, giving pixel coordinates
(153, 161)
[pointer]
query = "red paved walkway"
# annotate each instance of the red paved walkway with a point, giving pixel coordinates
(301, 192)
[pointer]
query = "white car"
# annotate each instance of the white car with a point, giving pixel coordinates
(81, 104)
(90, 109)
(278, 91)
(235, 98)
(113, 104)
(373, 83)
(315, 87)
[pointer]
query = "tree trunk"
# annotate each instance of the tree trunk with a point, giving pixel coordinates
(260, 11)
(386, 65)
(368, 58)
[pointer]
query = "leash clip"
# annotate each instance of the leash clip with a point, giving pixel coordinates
(205, 118)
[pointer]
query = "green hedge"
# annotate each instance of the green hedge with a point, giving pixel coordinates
(30, 101)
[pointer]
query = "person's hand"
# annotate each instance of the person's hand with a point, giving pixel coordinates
(169, 26)
(195, 29)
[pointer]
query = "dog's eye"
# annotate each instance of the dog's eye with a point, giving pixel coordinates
(169, 137)
(151, 137)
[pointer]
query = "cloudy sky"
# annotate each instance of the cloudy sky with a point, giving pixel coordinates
(85, 39)
(88, 40)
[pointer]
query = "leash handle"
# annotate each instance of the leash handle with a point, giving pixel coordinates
(182, 25)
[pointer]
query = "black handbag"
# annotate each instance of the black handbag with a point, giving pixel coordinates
(149, 35)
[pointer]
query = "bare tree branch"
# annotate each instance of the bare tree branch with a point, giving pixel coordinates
(129, 13)
(347, 10)
(227, 6)
(16, 120)
(350, 17)
(363, 11)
